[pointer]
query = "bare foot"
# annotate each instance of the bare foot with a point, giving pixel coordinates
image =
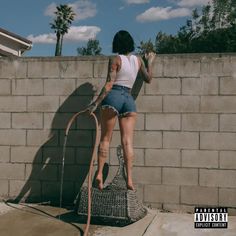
(99, 182)
(130, 185)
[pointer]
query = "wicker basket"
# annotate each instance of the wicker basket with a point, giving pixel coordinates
(115, 204)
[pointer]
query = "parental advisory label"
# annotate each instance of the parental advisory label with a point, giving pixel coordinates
(211, 217)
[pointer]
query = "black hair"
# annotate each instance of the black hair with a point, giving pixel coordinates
(122, 42)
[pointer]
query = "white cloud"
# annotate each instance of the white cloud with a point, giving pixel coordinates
(82, 33)
(49, 11)
(192, 3)
(82, 9)
(43, 38)
(137, 1)
(75, 34)
(162, 13)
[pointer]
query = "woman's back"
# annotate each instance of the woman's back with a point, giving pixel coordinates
(128, 71)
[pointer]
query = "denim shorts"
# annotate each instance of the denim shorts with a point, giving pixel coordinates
(120, 100)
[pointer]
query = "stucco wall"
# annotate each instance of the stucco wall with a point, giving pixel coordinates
(185, 137)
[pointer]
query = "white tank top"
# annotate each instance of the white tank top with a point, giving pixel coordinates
(127, 74)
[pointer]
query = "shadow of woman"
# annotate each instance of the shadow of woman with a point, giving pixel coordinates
(43, 176)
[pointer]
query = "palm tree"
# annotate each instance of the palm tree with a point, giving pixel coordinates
(64, 17)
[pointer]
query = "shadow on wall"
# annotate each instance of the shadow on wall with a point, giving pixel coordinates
(43, 181)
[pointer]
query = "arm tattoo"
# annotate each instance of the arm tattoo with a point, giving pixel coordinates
(111, 76)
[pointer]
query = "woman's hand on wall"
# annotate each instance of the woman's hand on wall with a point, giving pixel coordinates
(150, 57)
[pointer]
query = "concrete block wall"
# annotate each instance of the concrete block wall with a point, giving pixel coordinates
(185, 136)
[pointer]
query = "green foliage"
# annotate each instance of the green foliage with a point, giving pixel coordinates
(92, 48)
(146, 47)
(211, 30)
(64, 17)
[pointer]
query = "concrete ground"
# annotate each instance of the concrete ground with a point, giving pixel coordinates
(38, 220)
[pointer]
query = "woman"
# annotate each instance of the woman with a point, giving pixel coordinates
(116, 101)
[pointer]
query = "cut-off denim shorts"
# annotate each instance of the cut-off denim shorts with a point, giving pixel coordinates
(120, 100)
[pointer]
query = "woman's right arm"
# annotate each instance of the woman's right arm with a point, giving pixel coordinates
(146, 70)
(113, 67)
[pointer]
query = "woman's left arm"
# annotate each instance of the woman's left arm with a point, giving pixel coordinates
(113, 66)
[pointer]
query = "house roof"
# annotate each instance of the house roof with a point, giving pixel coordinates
(16, 36)
(13, 44)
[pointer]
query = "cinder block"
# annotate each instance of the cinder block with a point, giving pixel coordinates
(12, 104)
(147, 175)
(180, 176)
(74, 103)
(57, 120)
(200, 122)
(218, 178)
(5, 86)
(3, 189)
(228, 65)
(163, 122)
(145, 139)
(26, 155)
(43, 103)
(76, 69)
(78, 138)
(12, 137)
(141, 138)
(59, 86)
(139, 125)
(228, 85)
(176, 140)
(12, 171)
(161, 193)
(227, 159)
(85, 122)
(158, 67)
(83, 156)
(27, 87)
(44, 171)
(16, 186)
(162, 157)
(89, 86)
(218, 104)
(5, 154)
(140, 191)
(199, 195)
(42, 137)
(212, 65)
(76, 173)
(228, 122)
(27, 120)
(227, 197)
(54, 155)
(149, 103)
(5, 120)
(16, 68)
(199, 158)
(205, 85)
(138, 157)
(181, 65)
(43, 68)
(181, 103)
(163, 86)
(100, 69)
(217, 141)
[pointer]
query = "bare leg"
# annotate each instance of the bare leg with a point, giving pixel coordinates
(127, 124)
(108, 121)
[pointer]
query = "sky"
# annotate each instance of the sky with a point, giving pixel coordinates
(95, 19)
